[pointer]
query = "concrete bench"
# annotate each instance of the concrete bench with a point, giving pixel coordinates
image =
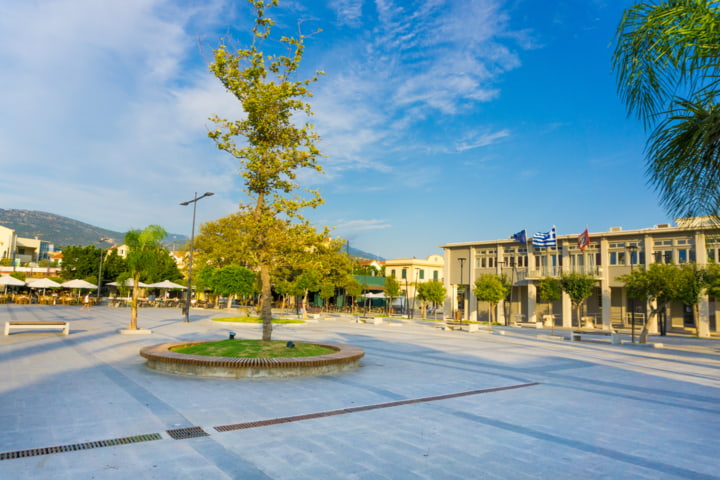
(470, 327)
(65, 326)
(602, 336)
(371, 320)
(529, 324)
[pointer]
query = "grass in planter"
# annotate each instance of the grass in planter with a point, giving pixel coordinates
(254, 320)
(254, 349)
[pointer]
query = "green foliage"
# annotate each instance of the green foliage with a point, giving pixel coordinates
(19, 275)
(712, 279)
(269, 142)
(491, 288)
(80, 262)
(254, 349)
(392, 288)
(667, 61)
(549, 290)
(578, 286)
(232, 280)
(432, 291)
(6, 262)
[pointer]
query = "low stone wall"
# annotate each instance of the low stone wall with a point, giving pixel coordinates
(161, 358)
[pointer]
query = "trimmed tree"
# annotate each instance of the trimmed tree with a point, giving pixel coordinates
(434, 292)
(392, 290)
(549, 290)
(491, 288)
(579, 287)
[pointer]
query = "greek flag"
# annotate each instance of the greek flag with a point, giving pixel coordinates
(545, 239)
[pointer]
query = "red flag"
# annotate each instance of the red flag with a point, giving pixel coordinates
(584, 239)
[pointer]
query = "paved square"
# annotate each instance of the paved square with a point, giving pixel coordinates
(425, 404)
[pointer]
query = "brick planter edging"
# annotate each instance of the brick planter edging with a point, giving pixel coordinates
(161, 358)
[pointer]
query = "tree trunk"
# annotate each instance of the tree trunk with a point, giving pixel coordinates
(230, 301)
(266, 302)
(134, 304)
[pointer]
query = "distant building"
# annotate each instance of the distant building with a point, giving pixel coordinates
(608, 256)
(23, 250)
(411, 271)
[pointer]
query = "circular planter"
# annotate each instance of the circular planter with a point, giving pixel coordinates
(161, 358)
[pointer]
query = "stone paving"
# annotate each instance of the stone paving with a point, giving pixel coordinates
(436, 405)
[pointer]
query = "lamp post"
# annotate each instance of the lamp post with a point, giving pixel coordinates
(101, 241)
(415, 290)
(633, 251)
(192, 242)
(462, 262)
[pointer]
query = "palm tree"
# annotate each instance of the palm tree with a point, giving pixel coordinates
(143, 249)
(667, 61)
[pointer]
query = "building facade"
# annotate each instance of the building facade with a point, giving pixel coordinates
(608, 256)
(411, 271)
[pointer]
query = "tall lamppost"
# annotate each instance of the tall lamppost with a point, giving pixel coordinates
(415, 290)
(192, 242)
(101, 241)
(633, 252)
(462, 262)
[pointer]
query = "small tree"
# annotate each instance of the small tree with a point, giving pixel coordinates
(392, 290)
(233, 281)
(326, 292)
(308, 281)
(491, 288)
(657, 284)
(144, 249)
(579, 287)
(434, 292)
(549, 290)
(353, 289)
(691, 287)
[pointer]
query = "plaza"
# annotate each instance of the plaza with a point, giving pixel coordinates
(424, 404)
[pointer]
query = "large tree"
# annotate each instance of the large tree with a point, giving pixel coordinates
(268, 142)
(667, 61)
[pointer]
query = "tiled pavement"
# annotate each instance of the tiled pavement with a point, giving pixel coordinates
(579, 411)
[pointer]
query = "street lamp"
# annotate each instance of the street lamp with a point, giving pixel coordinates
(633, 252)
(101, 241)
(192, 242)
(462, 262)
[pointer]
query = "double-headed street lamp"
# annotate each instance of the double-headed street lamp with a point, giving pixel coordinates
(192, 242)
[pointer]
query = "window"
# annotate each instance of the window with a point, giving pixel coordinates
(422, 274)
(435, 275)
(404, 273)
(392, 273)
(682, 255)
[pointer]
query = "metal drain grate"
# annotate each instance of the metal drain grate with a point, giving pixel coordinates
(79, 446)
(343, 411)
(187, 432)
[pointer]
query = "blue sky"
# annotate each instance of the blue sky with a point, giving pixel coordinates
(441, 121)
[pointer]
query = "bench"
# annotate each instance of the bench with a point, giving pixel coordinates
(529, 324)
(65, 326)
(452, 325)
(600, 336)
(372, 320)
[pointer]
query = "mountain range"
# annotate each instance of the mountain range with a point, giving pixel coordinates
(63, 231)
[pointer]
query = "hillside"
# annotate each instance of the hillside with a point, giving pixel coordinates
(62, 231)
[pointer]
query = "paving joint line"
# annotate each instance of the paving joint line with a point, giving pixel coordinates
(197, 432)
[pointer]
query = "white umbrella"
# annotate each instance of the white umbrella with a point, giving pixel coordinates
(8, 280)
(129, 283)
(77, 283)
(374, 295)
(43, 283)
(166, 284)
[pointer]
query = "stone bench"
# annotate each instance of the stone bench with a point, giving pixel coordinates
(601, 336)
(65, 326)
(371, 320)
(452, 325)
(529, 324)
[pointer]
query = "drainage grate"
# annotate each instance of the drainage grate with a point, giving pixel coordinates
(343, 411)
(79, 446)
(187, 432)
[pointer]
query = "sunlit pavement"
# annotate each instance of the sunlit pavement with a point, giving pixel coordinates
(425, 403)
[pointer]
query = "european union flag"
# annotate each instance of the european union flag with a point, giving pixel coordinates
(520, 236)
